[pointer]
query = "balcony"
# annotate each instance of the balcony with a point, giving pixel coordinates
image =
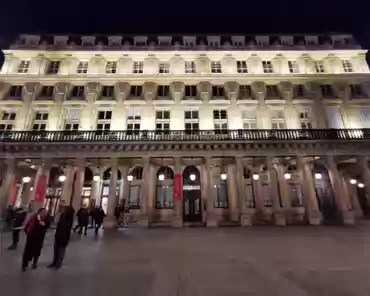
(270, 135)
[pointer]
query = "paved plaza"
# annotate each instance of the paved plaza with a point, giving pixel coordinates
(198, 261)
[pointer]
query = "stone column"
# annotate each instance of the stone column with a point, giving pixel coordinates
(245, 217)
(99, 187)
(210, 215)
(365, 172)
(124, 192)
(67, 185)
(42, 170)
(177, 218)
(232, 193)
(79, 183)
(110, 221)
(7, 184)
(341, 198)
(24, 114)
(351, 192)
(309, 192)
(257, 188)
(145, 194)
(25, 196)
(279, 214)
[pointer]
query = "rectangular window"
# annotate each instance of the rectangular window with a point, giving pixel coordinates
(267, 201)
(82, 67)
(191, 120)
(53, 67)
(272, 91)
(216, 67)
(245, 91)
(242, 66)
(5, 127)
(104, 120)
(334, 117)
(249, 119)
(162, 120)
(23, 66)
(163, 91)
(40, 121)
(7, 121)
(164, 197)
(218, 91)
(134, 196)
(298, 91)
(78, 91)
(277, 119)
(190, 67)
(108, 91)
(293, 67)
(220, 120)
(356, 91)
(319, 67)
(296, 195)
(347, 66)
(133, 120)
(190, 90)
(47, 91)
(111, 67)
(136, 90)
(305, 118)
(221, 196)
(16, 91)
(327, 91)
(8, 116)
(72, 119)
(267, 67)
(365, 116)
(249, 196)
(138, 67)
(164, 68)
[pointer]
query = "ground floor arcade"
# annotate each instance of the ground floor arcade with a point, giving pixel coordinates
(209, 191)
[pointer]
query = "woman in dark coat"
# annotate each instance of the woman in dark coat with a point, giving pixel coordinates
(35, 231)
(62, 236)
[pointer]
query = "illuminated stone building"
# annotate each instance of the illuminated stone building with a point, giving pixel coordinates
(211, 130)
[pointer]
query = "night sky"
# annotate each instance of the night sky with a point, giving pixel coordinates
(181, 17)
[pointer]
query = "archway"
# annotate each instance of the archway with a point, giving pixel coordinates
(164, 188)
(134, 187)
(192, 205)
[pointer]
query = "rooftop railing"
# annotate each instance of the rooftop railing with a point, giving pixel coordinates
(190, 136)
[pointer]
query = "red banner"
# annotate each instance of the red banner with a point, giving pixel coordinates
(177, 187)
(41, 188)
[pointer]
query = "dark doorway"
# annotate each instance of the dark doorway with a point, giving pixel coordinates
(192, 207)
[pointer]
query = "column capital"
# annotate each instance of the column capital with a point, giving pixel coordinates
(177, 165)
(150, 90)
(92, 88)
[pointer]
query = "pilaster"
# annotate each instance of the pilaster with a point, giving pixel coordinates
(234, 210)
(209, 194)
(7, 184)
(177, 219)
(145, 194)
(24, 115)
(66, 196)
(110, 221)
(79, 182)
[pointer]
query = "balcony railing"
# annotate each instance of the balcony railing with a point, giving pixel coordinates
(170, 136)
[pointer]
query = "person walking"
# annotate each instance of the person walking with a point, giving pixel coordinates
(35, 230)
(19, 218)
(99, 219)
(62, 236)
(83, 220)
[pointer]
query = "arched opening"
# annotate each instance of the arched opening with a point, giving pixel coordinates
(324, 194)
(104, 193)
(291, 175)
(54, 190)
(164, 188)
(192, 206)
(134, 187)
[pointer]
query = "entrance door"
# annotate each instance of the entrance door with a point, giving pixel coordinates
(192, 205)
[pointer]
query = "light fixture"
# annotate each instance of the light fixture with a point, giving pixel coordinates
(31, 189)
(353, 181)
(96, 178)
(361, 185)
(318, 176)
(223, 176)
(130, 178)
(32, 166)
(161, 177)
(255, 176)
(62, 178)
(26, 179)
(192, 177)
(287, 176)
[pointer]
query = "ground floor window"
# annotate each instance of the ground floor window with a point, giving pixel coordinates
(221, 200)
(249, 196)
(164, 197)
(134, 196)
(267, 200)
(296, 195)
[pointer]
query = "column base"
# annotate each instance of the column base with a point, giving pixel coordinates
(143, 222)
(348, 218)
(246, 219)
(279, 218)
(315, 218)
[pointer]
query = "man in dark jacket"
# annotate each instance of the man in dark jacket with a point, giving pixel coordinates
(62, 236)
(99, 218)
(83, 220)
(18, 220)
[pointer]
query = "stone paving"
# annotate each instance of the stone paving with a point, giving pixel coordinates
(297, 261)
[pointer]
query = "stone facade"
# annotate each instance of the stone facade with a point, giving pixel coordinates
(240, 130)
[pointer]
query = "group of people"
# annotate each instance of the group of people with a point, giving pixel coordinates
(38, 224)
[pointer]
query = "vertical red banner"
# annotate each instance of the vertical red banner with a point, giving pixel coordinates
(13, 193)
(41, 188)
(177, 187)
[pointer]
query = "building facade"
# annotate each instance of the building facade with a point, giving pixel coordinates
(207, 130)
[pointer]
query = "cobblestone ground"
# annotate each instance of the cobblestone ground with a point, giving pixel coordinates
(227, 261)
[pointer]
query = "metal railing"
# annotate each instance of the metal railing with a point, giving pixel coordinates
(170, 136)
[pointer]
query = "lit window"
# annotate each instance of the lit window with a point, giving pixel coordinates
(319, 67)
(164, 68)
(23, 66)
(242, 66)
(53, 67)
(82, 67)
(347, 66)
(111, 67)
(216, 67)
(138, 67)
(190, 67)
(293, 67)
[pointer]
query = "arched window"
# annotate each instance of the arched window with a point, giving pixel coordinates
(295, 190)
(164, 192)
(134, 188)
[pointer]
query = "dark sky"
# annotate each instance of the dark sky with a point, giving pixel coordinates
(192, 16)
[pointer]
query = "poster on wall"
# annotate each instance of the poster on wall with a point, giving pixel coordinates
(177, 188)
(41, 188)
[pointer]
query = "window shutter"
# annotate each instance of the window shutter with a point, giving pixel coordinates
(365, 117)
(72, 114)
(334, 117)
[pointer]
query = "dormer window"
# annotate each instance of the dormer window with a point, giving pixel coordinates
(311, 40)
(88, 41)
(60, 41)
(213, 41)
(82, 67)
(263, 41)
(140, 41)
(287, 40)
(238, 40)
(189, 41)
(114, 40)
(24, 66)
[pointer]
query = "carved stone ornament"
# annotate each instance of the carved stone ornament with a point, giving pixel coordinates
(31, 87)
(61, 87)
(204, 87)
(313, 88)
(340, 88)
(122, 88)
(259, 87)
(93, 87)
(177, 86)
(150, 88)
(285, 87)
(4, 87)
(231, 87)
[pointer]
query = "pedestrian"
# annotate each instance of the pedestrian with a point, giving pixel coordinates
(93, 214)
(19, 218)
(125, 215)
(117, 214)
(82, 220)
(99, 219)
(35, 230)
(9, 216)
(62, 236)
